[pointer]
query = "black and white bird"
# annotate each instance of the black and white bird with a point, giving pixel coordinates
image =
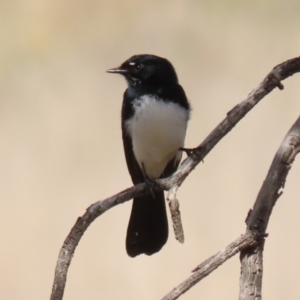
(155, 113)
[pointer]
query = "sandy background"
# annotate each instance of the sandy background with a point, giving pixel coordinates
(61, 148)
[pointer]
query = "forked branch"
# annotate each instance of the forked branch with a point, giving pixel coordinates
(272, 80)
(257, 222)
(252, 242)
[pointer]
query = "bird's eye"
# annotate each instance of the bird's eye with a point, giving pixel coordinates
(138, 67)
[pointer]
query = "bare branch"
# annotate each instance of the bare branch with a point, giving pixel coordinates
(251, 272)
(272, 81)
(81, 225)
(257, 222)
(175, 214)
(211, 264)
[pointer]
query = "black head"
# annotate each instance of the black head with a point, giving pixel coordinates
(146, 69)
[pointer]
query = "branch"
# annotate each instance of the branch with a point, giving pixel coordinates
(257, 222)
(272, 81)
(251, 244)
(212, 263)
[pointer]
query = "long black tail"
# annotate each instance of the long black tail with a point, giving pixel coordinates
(147, 230)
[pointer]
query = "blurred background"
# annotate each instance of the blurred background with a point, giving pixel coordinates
(61, 147)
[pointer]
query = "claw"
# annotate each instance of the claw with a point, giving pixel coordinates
(188, 151)
(149, 182)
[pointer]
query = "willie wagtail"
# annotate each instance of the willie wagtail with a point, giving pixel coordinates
(155, 112)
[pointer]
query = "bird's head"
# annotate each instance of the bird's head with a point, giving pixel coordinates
(146, 69)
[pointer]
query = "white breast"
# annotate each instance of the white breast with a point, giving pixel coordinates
(157, 130)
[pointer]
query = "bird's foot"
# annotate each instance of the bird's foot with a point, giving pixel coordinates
(188, 151)
(150, 183)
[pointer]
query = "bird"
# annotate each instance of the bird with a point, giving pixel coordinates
(154, 118)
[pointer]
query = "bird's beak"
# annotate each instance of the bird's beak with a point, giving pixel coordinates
(117, 70)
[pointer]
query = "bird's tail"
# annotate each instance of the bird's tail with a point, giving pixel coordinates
(147, 230)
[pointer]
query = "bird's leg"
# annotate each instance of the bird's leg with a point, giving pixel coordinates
(149, 182)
